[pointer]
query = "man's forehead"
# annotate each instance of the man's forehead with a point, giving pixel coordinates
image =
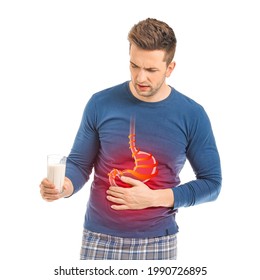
(147, 59)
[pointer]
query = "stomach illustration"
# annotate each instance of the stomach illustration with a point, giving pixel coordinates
(145, 165)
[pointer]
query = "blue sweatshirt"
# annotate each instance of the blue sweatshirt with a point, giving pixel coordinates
(150, 141)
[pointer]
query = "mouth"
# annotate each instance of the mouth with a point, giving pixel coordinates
(143, 87)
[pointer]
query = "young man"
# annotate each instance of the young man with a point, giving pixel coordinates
(137, 137)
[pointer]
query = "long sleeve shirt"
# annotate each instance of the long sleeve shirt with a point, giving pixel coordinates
(153, 148)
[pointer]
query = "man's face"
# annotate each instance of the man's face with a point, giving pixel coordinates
(148, 73)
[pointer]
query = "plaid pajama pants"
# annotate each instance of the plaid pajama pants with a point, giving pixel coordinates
(98, 246)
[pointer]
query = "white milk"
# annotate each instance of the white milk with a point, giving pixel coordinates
(56, 174)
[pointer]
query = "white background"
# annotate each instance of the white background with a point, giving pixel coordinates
(55, 54)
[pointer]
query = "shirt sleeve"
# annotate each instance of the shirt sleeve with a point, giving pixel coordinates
(84, 150)
(204, 158)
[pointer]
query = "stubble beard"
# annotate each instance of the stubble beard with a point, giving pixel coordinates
(149, 93)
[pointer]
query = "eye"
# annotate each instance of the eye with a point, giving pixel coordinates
(152, 70)
(134, 66)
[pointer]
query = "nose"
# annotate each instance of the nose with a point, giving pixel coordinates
(141, 76)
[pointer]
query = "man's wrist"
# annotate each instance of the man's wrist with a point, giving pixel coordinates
(164, 198)
(69, 188)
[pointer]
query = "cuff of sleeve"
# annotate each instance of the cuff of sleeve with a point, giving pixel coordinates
(178, 198)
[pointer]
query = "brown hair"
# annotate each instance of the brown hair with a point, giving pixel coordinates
(152, 34)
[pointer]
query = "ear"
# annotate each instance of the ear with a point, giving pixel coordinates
(170, 68)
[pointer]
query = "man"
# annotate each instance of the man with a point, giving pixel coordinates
(137, 136)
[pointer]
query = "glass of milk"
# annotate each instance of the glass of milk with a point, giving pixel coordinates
(56, 165)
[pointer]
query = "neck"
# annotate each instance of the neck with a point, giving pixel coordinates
(162, 93)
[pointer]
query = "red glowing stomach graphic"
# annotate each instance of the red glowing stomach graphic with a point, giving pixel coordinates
(145, 164)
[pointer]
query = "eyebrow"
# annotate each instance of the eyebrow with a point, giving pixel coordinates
(150, 68)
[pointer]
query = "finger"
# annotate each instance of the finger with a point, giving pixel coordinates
(49, 194)
(120, 207)
(115, 193)
(46, 182)
(50, 191)
(116, 200)
(49, 197)
(116, 189)
(47, 187)
(129, 180)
